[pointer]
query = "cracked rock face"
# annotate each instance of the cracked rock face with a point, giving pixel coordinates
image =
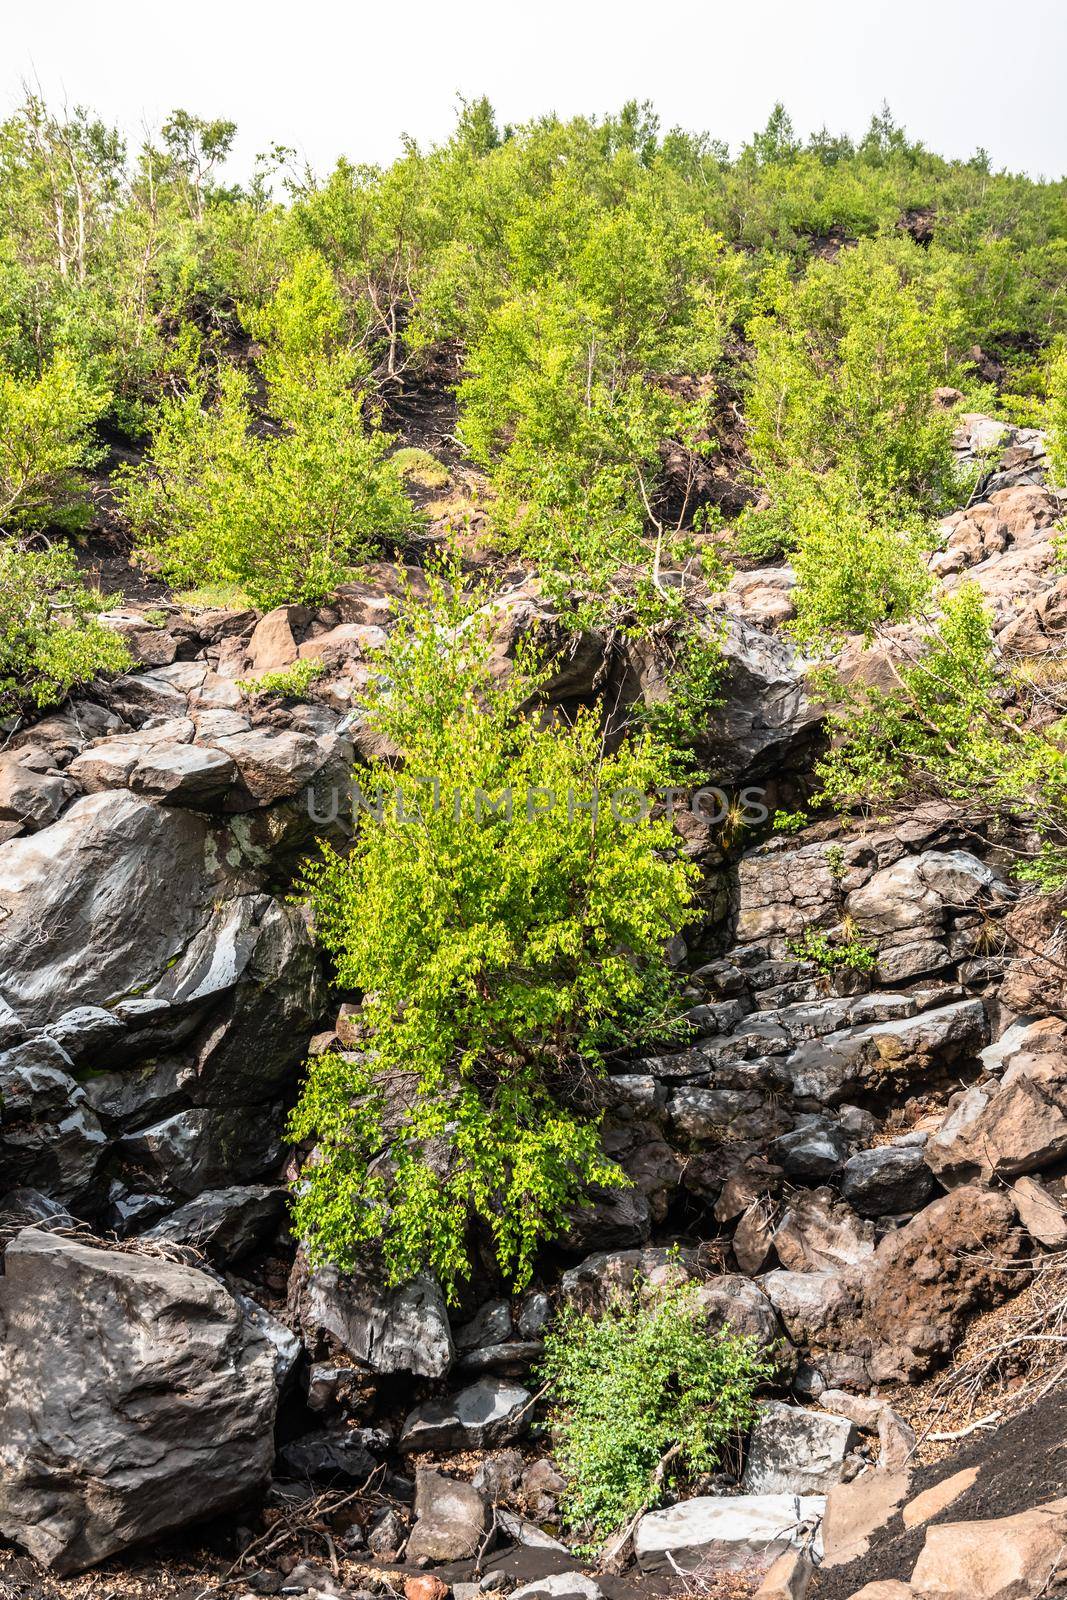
(161, 1411)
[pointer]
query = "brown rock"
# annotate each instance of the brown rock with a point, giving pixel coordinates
(424, 1587)
(856, 1510)
(932, 1501)
(1039, 1212)
(926, 1278)
(1009, 1558)
(1019, 1130)
(272, 644)
(789, 1578)
(1036, 981)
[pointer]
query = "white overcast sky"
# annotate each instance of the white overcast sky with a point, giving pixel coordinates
(351, 78)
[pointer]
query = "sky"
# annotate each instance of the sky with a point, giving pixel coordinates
(353, 78)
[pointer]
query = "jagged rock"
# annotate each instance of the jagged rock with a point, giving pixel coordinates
(810, 1154)
(85, 1031)
(451, 1519)
(792, 1451)
(811, 1304)
(49, 1136)
(184, 775)
(99, 904)
(326, 1456)
(1040, 1212)
(887, 1181)
(753, 1240)
(199, 1148)
(134, 1400)
(287, 1348)
(391, 1330)
(611, 1219)
(272, 645)
(724, 1532)
(1017, 1130)
(732, 1301)
(29, 798)
(954, 1258)
(535, 1313)
(857, 1509)
(227, 1223)
(765, 717)
(490, 1412)
(1036, 981)
(490, 1325)
(818, 1233)
(275, 763)
(902, 1050)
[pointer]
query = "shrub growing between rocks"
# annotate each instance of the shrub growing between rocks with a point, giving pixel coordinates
(50, 635)
(643, 1396)
(498, 955)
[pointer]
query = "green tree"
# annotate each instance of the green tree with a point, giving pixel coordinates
(502, 927)
(46, 444)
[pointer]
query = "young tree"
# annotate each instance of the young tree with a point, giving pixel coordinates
(502, 923)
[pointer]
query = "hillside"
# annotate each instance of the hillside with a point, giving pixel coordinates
(533, 853)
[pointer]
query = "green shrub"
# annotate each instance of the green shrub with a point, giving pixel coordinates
(497, 958)
(959, 726)
(283, 516)
(829, 953)
(50, 636)
(1057, 421)
(643, 1398)
(46, 444)
(293, 681)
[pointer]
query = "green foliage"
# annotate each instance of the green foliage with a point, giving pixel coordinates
(790, 821)
(830, 953)
(50, 637)
(46, 443)
(496, 954)
(1057, 418)
(951, 729)
(289, 682)
(283, 512)
(643, 1398)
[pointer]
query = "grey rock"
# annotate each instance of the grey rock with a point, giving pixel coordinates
(793, 1451)
(490, 1412)
(491, 1325)
(284, 1343)
(134, 1400)
(812, 1153)
(887, 1181)
(391, 1330)
(327, 1456)
(32, 799)
(451, 1519)
(535, 1313)
(226, 1223)
(272, 764)
(560, 1586)
(50, 1138)
(387, 1533)
(85, 1031)
(184, 775)
(727, 1532)
(521, 1531)
(199, 1148)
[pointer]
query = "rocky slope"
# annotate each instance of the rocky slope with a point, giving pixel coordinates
(853, 1165)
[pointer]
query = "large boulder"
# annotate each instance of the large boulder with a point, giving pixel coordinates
(793, 1451)
(953, 1259)
(724, 1533)
(135, 1398)
(103, 902)
(1017, 1557)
